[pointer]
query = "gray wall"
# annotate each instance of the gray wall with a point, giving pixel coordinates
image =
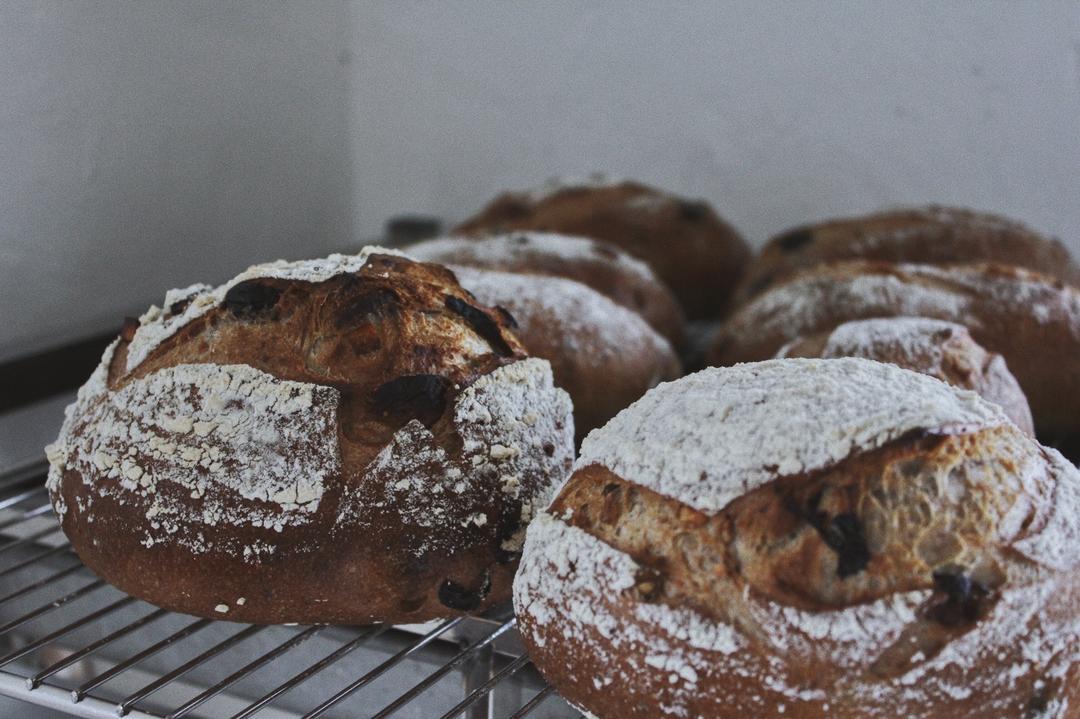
(153, 144)
(777, 112)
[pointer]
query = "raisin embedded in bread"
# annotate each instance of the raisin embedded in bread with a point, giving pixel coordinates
(809, 538)
(601, 353)
(931, 235)
(940, 349)
(1030, 319)
(600, 265)
(348, 440)
(695, 252)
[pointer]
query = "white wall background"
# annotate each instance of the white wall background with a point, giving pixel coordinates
(147, 145)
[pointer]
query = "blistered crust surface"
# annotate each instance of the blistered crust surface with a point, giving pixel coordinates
(710, 437)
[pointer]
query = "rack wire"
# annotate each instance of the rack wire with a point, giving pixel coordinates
(72, 642)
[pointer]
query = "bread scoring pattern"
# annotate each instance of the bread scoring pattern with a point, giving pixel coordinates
(834, 564)
(307, 428)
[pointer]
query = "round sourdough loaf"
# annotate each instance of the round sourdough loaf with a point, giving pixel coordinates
(602, 266)
(601, 353)
(696, 253)
(348, 440)
(930, 235)
(1031, 320)
(808, 538)
(940, 349)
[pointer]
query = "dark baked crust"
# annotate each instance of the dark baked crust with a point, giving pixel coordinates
(602, 354)
(600, 265)
(1031, 320)
(386, 394)
(931, 235)
(931, 576)
(940, 349)
(693, 250)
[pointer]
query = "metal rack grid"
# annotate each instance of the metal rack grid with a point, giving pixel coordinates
(71, 642)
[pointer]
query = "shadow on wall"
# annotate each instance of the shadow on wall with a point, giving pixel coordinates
(152, 145)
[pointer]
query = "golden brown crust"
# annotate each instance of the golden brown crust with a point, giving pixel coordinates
(922, 578)
(693, 250)
(1031, 320)
(932, 235)
(597, 264)
(327, 450)
(944, 350)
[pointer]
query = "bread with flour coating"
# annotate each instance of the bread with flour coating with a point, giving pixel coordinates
(940, 349)
(693, 250)
(348, 440)
(808, 538)
(601, 353)
(931, 235)
(602, 266)
(1030, 319)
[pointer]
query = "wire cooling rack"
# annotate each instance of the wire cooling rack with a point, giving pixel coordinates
(72, 642)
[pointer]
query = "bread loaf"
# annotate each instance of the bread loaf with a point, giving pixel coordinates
(809, 538)
(932, 235)
(600, 265)
(1031, 320)
(696, 253)
(940, 349)
(349, 440)
(601, 353)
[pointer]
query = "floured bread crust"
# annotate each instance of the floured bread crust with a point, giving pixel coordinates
(1031, 320)
(929, 570)
(940, 349)
(347, 440)
(931, 235)
(602, 266)
(695, 252)
(604, 355)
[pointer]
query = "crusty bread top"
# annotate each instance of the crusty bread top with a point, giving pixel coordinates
(809, 301)
(158, 323)
(603, 266)
(711, 437)
(510, 250)
(689, 246)
(932, 235)
(593, 325)
(348, 380)
(944, 350)
(821, 587)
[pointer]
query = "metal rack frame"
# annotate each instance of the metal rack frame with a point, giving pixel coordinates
(71, 642)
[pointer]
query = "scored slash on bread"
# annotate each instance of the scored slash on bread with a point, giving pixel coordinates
(347, 440)
(806, 538)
